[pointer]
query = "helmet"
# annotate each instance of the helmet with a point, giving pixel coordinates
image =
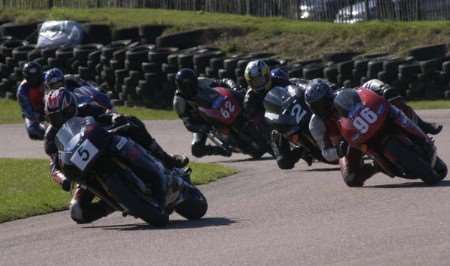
(319, 97)
(60, 106)
(54, 79)
(382, 89)
(345, 101)
(186, 82)
(279, 77)
(32, 72)
(257, 75)
(375, 85)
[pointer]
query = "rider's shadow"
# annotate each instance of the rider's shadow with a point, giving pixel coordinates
(173, 224)
(324, 169)
(415, 184)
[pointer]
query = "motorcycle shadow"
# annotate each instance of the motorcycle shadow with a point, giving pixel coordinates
(324, 169)
(415, 184)
(173, 224)
(245, 160)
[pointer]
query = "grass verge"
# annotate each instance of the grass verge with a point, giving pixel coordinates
(26, 188)
(285, 37)
(10, 113)
(432, 104)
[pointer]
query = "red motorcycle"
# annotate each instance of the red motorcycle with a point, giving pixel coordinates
(369, 123)
(222, 109)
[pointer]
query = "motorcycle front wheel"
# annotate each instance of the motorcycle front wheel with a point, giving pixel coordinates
(194, 206)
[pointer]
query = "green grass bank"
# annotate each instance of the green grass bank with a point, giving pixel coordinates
(10, 113)
(282, 36)
(27, 190)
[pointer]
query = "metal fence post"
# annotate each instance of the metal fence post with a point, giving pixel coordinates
(367, 9)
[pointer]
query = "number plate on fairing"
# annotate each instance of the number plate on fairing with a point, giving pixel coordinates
(84, 154)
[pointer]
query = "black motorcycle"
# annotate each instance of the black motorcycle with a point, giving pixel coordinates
(287, 113)
(104, 163)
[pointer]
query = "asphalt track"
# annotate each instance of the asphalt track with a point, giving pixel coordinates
(261, 216)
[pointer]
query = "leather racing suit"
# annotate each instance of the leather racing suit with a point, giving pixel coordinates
(82, 207)
(188, 112)
(353, 168)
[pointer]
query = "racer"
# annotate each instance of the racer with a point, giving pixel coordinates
(61, 105)
(30, 94)
(323, 126)
(190, 90)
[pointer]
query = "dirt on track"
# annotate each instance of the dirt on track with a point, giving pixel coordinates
(261, 216)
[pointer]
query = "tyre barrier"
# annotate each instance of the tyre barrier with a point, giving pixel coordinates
(135, 72)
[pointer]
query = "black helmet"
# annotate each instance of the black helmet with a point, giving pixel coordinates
(186, 81)
(60, 106)
(33, 73)
(319, 97)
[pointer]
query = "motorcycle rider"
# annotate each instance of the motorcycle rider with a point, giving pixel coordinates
(54, 78)
(61, 105)
(30, 94)
(259, 81)
(324, 128)
(280, 77)
(395, 98)
(286, 155)
(187, 96)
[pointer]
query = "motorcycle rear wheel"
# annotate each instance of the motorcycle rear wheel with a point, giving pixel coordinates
(410, 160)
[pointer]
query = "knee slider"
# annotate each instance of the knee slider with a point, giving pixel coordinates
(76, 213)
(197, 149)
(352, 180)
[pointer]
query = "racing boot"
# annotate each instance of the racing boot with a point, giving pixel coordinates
(215, 150)
(429, 128)
(354, 170)
(177, 161)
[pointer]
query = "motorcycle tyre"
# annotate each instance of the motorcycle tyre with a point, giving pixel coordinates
(413, 164)
(195, 205)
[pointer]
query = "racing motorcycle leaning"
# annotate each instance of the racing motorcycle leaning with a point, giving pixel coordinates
(115, 169)
(222, 109)
(287, 113)
(368, 122)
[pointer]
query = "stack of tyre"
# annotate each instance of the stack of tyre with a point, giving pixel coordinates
(425, 73)
(127, 63)
(15, 49)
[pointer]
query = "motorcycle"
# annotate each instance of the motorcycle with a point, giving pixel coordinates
(221, 108)
(368, 123)
(287, 113)
(101, 161)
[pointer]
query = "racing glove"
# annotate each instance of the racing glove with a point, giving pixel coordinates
(342, 149)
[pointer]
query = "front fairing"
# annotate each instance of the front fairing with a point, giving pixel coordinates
(219, 106)
(69, 138)
(291, 115)
(365, 120)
